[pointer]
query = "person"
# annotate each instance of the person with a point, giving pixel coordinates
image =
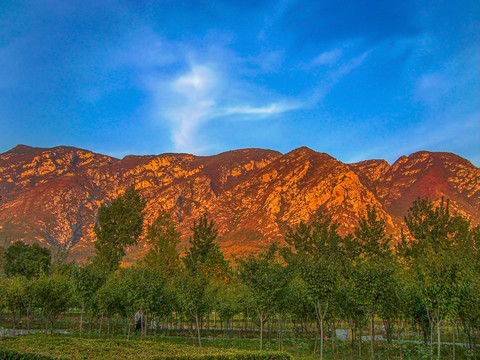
(138, 320)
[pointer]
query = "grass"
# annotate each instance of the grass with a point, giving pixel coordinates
(62, 346)
(119, 347)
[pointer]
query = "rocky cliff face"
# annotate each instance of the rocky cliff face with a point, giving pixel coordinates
(52, 195)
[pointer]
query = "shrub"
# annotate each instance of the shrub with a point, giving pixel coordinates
(15, 355)
(242, 355)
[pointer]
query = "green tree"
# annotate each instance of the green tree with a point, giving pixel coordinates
(163, 238)
(16, 297)
(316, 250)
(373, 271)
(52, 295)
(193, 292)
(203, 254)
(370, 236)
(27, 260)
(87, 280)
(204, 262)
(229, 300)
(433, 249)
(267, 280)
(118, 225)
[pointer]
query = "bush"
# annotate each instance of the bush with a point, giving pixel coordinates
(247, 355)
(15, 355)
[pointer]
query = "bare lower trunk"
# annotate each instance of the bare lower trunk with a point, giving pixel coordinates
(453, 330)
(431, 339)
(145, 326)
(372, 334)
(261, 333)
(81, 320)
(439, 324)
(360, 341)
(321, 338)
(198, 330)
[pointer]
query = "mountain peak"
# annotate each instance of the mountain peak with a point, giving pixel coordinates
(21, 149)
(253, 195)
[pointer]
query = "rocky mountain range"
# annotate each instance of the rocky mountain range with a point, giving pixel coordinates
(51, 195)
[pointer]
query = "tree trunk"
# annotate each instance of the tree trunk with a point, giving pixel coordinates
(453, 330)
(439, 324)
(360, 341)
(372, 333)
(261, 330)
(28, 320)
(208, 324)
(81, 320)
(198, 330)
(431, 340)
(321, 338)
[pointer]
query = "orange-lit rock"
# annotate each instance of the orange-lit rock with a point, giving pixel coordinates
(254, 195)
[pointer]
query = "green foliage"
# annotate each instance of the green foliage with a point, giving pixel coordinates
(241, 355)
(16, 296)
(193, 294)
(86, 282)
(266, 279)
(52, 295)
(374, 283)
(230, 298)
(27, 260)
(133, 288)
(38, 347)
(163, 238)
(118, 225)
(432, 278)
(370, 235)
(203, 254)
(15, 355)
(317, 240)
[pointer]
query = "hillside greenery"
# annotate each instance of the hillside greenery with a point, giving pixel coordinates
(407, 297)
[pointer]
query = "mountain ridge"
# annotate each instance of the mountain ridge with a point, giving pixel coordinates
(51, 195)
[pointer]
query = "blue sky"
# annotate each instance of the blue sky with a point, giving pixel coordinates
(356, 79)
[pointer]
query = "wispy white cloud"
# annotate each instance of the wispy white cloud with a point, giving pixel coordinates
(347, 67)
(327, 57)
(201, 93)
(333, 76)
(449, 79)
(267, 110)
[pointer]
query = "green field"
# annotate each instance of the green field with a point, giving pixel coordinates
(67, 347)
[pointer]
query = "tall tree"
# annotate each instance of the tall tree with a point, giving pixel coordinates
(316, 250)
(203, 262)
(373, 270)
(163, 238)
(203, 254)
(267, 281)
(87, 280)
(432, 252)
(118, 225)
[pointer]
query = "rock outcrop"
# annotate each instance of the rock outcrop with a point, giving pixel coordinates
(51, 196)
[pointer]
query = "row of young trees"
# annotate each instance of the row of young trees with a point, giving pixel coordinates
(429, 278)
